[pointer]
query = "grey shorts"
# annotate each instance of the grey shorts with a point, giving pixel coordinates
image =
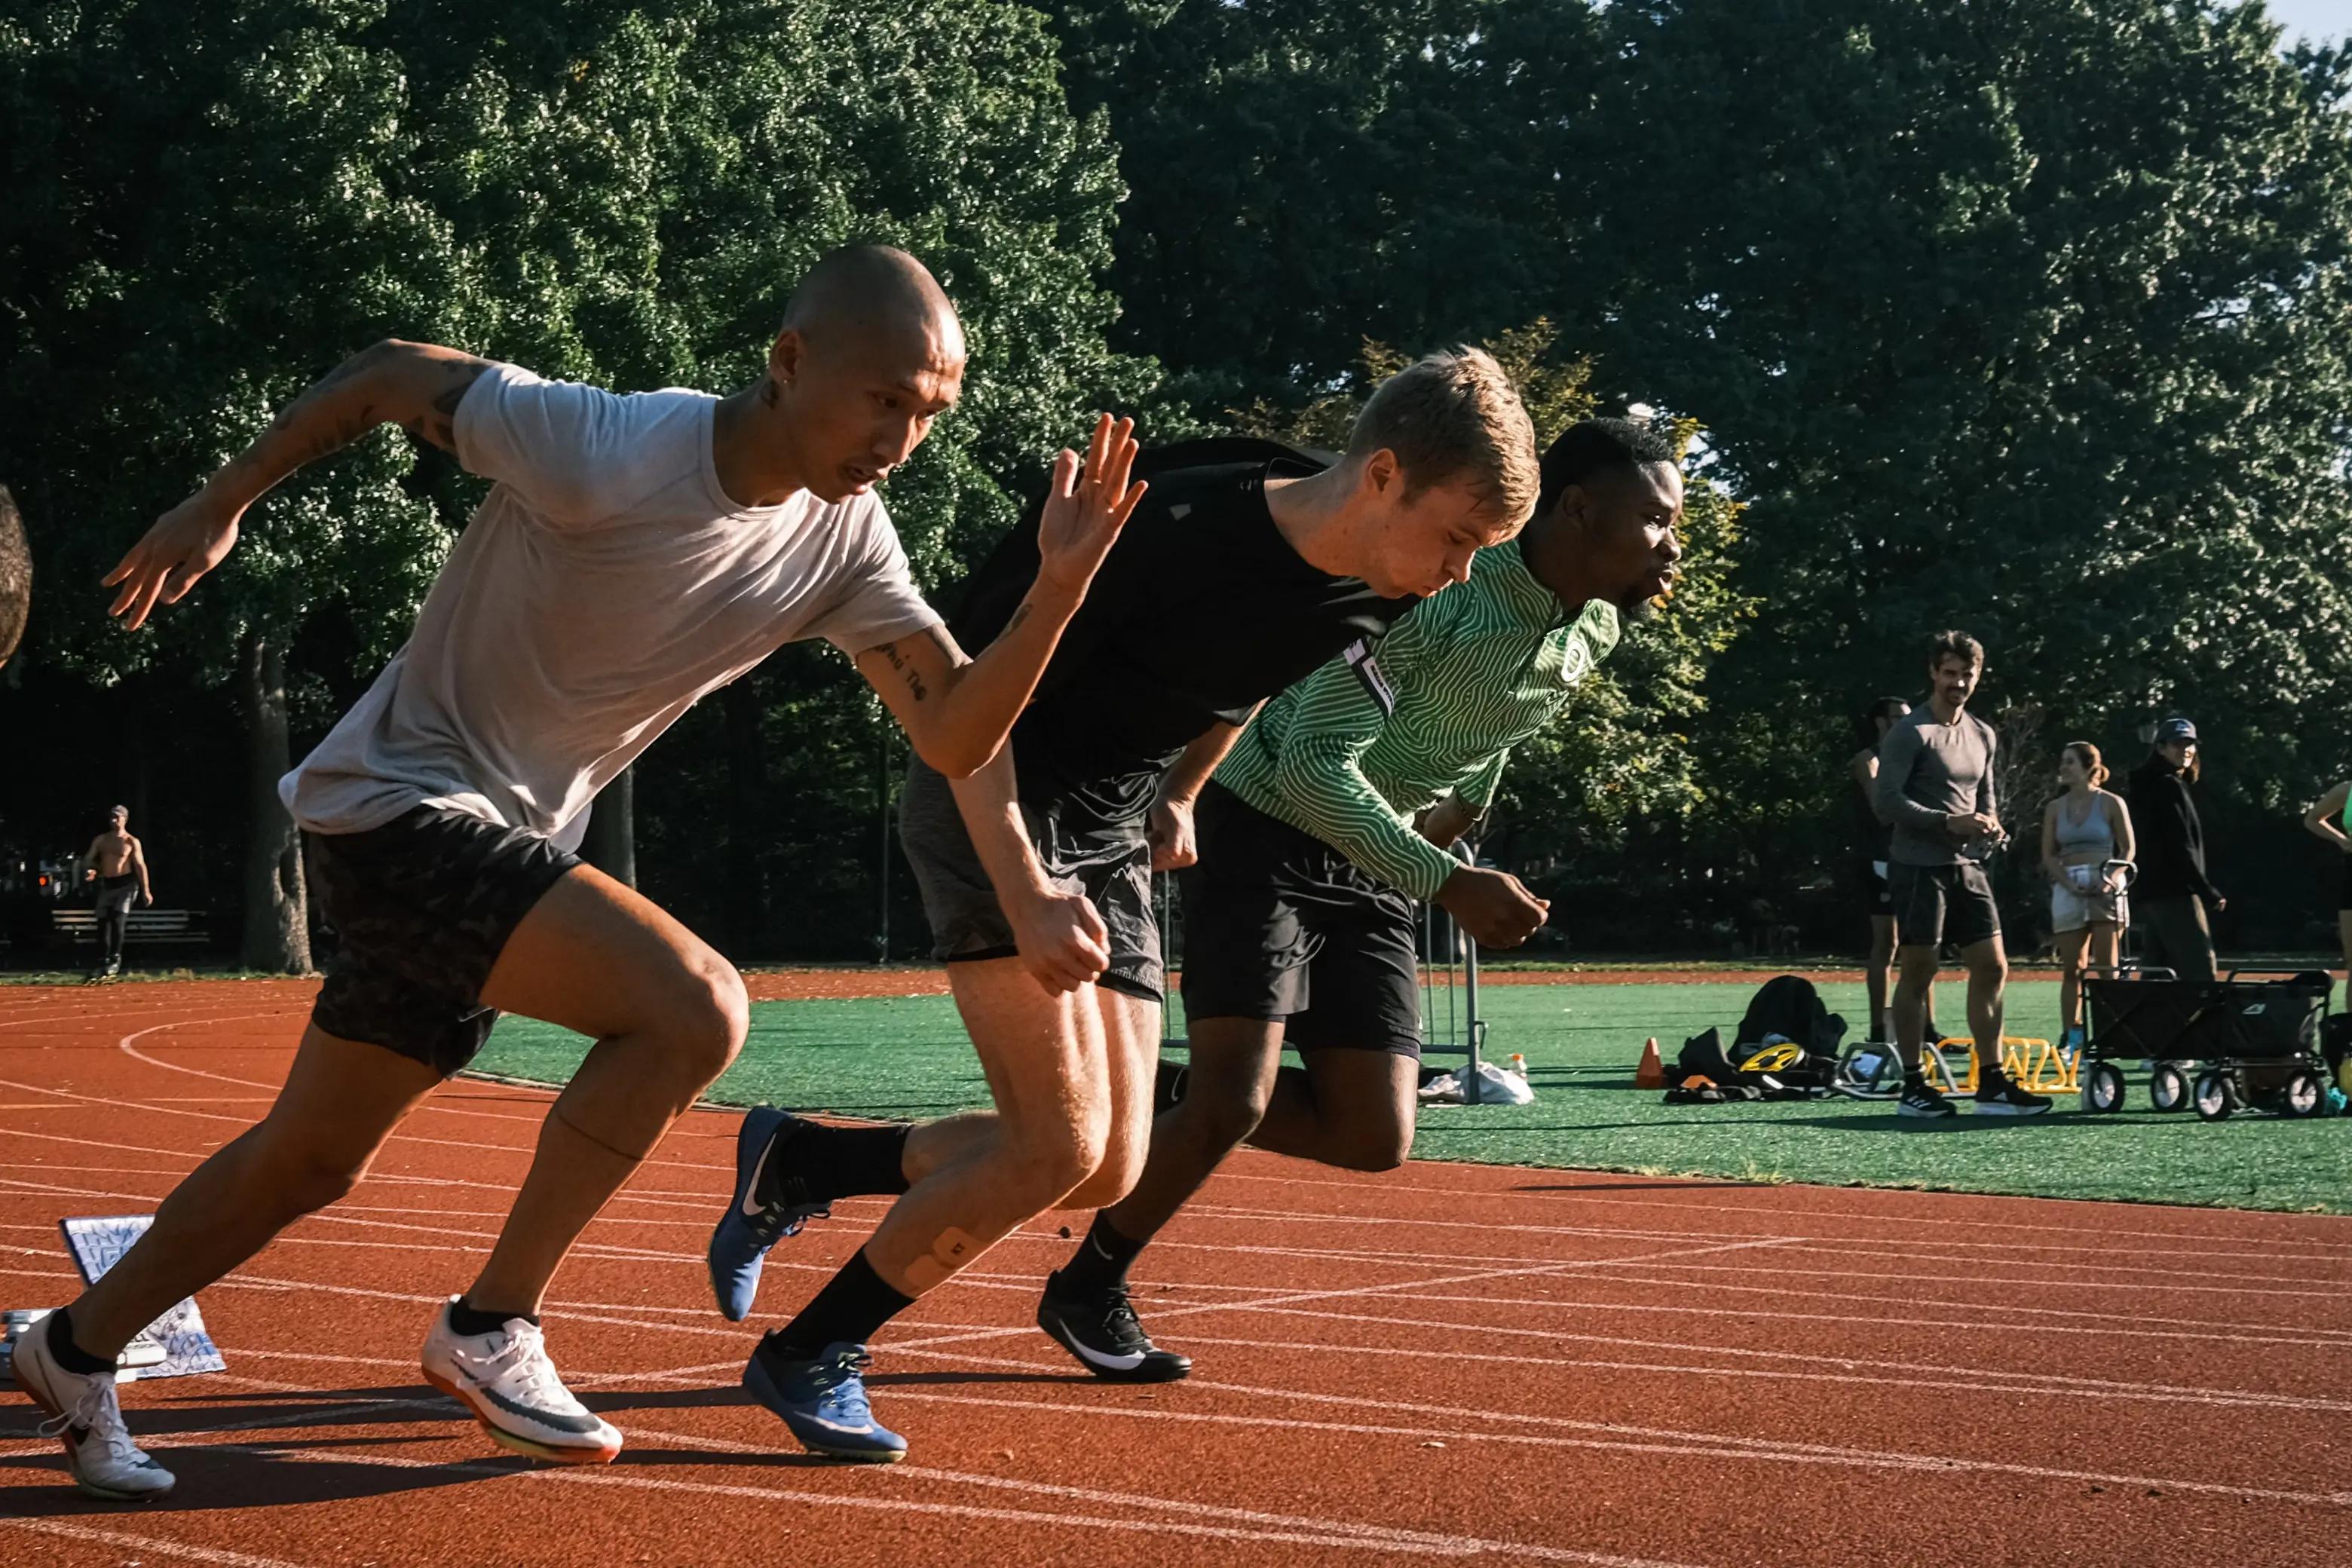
(423, 907)
(1110, 863)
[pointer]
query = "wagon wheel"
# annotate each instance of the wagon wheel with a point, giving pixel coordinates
(2167, 1089)
(2216, 1096)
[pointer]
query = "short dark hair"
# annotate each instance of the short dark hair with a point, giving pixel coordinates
(16, 576)
(1865, 724)
(1591, 447)
(1956, 645)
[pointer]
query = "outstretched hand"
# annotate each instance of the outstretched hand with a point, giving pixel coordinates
(1086, 507)
(186, 542)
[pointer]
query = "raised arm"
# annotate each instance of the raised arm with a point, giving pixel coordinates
(958, 710)
(415, 386)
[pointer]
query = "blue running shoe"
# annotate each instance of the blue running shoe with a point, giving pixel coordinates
(752, 1223)
(824, 1402)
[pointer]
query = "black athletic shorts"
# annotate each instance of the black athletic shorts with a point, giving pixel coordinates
(1877, 888)
(1279, 925)
(423, 906)
(1937, 904)
(1083, 852)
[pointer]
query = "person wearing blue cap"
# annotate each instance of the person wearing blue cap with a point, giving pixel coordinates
(2171, 899)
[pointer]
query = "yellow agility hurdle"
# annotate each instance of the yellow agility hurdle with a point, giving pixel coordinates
(2026, 1059)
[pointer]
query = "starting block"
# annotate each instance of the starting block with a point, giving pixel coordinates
(2028, 1059)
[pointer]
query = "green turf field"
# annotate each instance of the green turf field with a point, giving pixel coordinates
(907, 1058)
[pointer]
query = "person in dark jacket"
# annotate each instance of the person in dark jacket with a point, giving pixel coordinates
(2172, 898)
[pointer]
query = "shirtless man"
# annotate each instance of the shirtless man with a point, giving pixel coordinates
(633, 554)
(117, 863)
(15, 577)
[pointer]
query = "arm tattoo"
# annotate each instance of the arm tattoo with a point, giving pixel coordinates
(440, 425)
(898, 661)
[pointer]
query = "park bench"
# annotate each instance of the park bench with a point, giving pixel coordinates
(174, 928)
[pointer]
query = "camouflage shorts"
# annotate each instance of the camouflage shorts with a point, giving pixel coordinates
(421, 907)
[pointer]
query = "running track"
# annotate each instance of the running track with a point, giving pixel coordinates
(1452, 1361)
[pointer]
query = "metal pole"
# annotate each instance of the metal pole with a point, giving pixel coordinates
(882, 879)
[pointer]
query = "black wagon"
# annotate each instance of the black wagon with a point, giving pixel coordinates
(2251, 1039)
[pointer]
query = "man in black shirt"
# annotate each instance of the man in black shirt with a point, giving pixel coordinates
(1232, 580)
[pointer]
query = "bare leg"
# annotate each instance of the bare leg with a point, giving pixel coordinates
(340, 1100)
(1352, 1109)
(667, 1015)
(1911, 988)
(978, 1178)
(2072, 946)
(1879, 974)
(1987, 965)
(1230, 1077)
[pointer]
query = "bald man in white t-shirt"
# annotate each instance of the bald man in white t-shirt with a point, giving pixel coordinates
(634, 554)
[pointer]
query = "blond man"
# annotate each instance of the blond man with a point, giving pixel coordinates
(1235, 579)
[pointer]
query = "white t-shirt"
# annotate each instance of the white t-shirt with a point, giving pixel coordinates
(604, 585)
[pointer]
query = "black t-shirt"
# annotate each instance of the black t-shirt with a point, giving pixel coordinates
(1201, 611)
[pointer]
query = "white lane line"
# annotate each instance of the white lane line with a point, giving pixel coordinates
(187, 1551)
(1286, 1298)
(1603, 1193)
(2331, 1293)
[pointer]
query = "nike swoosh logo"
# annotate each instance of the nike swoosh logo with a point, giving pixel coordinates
(746, 1205)
(1108, 1363)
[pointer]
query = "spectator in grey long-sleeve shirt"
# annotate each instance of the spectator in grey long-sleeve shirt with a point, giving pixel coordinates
(1935, 789)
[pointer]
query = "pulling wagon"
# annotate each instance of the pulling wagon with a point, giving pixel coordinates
(2252, 1038)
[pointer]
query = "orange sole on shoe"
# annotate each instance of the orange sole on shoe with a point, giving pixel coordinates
(600, 1455)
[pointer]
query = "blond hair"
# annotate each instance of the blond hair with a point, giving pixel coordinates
(1454, 416)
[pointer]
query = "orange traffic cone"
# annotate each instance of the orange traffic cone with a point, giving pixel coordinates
(1652, 1073)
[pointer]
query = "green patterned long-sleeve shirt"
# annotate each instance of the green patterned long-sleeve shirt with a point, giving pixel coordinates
(1351, 752)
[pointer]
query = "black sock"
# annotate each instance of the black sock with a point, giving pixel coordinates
(71, 1356)
(1101, 1261)
(819, 1164)
(465, 1319)
(1914, 1079)
(850, 1310)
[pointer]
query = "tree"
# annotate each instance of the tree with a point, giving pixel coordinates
(212, 209)
(2030, 316)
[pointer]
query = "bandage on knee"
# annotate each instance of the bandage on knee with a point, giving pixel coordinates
(950, 1251)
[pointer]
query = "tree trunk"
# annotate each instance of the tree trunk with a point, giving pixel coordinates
(745, 885)
(277, 907)
(612, 843)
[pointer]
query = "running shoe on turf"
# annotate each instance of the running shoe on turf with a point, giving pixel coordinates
(1923, 1100)
(506, 1381)
(2004, 1096)
(1101, 1330)
(84, 1417)
(2070, 1049)
(771, 1201)
(823, 1400)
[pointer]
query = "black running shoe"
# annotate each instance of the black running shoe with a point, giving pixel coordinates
(2004, 1096)
(1923, 1100)
(1102, 1331)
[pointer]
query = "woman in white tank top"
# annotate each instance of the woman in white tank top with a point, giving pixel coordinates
(2082, 829)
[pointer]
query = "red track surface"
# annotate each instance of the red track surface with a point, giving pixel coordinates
(1451, 1361)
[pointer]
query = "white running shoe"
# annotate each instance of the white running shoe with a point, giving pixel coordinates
(85, 1417)
(505, 1379)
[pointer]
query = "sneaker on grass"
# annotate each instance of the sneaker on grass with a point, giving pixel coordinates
(1923, 1098)
(2003, 1096)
